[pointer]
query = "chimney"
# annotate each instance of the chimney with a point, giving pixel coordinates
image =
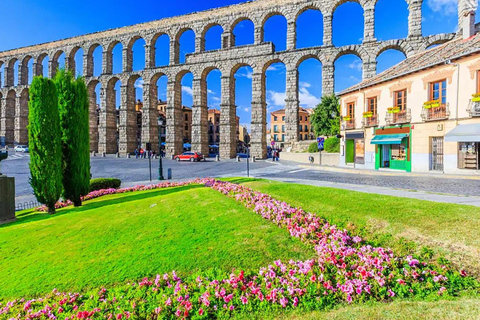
(468, 24)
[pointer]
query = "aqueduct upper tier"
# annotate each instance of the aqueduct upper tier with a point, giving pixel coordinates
(259, 56)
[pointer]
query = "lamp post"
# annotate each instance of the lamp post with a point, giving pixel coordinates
(160, 168)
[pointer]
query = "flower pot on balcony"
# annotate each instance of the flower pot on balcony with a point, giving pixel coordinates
(368, 115)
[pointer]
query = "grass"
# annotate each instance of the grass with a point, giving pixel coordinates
(405, 225)
(129, 236)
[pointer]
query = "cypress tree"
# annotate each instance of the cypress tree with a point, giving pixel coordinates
(73, 108)
(45, 143)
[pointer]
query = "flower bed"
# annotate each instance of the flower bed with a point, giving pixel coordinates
(343, 270)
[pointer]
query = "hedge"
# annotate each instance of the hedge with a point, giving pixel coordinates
(104, 183)
(332, 145)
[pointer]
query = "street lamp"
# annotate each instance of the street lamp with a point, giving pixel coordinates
(160, 168)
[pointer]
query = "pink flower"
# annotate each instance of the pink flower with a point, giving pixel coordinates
(390, 293)
(200, 312)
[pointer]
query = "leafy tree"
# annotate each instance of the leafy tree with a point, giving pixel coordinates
(313, 147)
(45, 142)
(332, 145)
(326, 117)
(73, 108)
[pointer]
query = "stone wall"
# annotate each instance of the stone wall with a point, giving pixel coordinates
(259, 56)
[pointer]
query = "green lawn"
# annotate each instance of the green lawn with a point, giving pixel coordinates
(401, 223)
(130, 236)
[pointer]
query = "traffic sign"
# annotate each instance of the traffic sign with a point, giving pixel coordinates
(321, 142)
(272, 143)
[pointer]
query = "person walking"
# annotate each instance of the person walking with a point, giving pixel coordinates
(141, 153)
(136, 153)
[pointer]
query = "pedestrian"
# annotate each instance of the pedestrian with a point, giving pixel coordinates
(136, 153)
(141, 153)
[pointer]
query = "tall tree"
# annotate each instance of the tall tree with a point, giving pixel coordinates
(73, 108)
(45, 143)
(326, 117)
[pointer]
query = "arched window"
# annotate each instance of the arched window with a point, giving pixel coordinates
(213, 38)
(387, 28)
(348, 24)
(309, 29)
(275, 31)
(243, 30)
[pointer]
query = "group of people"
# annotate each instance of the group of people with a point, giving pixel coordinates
(145, 154)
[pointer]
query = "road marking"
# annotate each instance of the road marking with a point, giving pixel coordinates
(297, 171)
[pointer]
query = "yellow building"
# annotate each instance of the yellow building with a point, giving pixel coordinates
(277, 125)
(421, 115)
(214, 127)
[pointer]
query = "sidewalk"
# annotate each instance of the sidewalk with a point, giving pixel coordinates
(388, 172)
(419, 195)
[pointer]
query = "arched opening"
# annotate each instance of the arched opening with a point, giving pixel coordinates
(161, 43)
(28, 75)
(275, 87)
(43, 61)
(439, 17)
(213, 37)
(187, 44)
(214, 95)
(309, 94)
(97, 54)
(117, 59)
(16, 72)
(159, 95)
(348, 24)
(388, 59)
(139, 110)
(386, 27)
(58, 62)
(348, 71)
(2, 73)
(9, 121)
(21, 131)
(309, 29)
(79, 62)
(109, 118)
(275, 31)
(243, 31)
(138, 52)
(186, 105)
(243, 94)
(94, 89)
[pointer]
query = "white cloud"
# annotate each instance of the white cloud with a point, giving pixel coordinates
(215, 98)
(187, 90)
(139, 84)
(210, 91)
(247, 75)
(246, 109)
(444, 7)
(307, 99)
(356, 65)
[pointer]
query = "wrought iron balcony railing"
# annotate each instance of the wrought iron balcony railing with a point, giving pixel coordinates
(474, 108)
(401, 117)
(441, 112)
(370, 121)
(349, 124)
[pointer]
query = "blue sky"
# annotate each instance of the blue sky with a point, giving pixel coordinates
(36, 21)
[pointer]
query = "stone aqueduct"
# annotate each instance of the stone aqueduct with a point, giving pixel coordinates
(259, 56)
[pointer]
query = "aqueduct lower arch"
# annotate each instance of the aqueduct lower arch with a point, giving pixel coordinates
(13, 113)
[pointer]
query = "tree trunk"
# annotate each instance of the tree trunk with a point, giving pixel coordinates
(77, 203)
(51, 210)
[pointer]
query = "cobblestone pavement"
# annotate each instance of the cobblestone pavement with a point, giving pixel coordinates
(435, 184)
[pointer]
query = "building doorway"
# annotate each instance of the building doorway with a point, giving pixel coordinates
(436, 157)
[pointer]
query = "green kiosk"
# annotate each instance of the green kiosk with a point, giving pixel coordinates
(393, 148)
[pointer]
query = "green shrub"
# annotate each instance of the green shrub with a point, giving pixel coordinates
(104, 183)
(313, 147)
(44, 136)
(332, 145)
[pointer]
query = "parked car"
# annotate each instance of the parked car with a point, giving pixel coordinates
(190, 156)
(20, 148)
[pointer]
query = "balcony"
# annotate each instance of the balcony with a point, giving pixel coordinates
(349, 123)
(441, 112)
(371, 121)
(399, 117)
(474, 108)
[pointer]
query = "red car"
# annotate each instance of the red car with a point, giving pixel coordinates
(190, 156)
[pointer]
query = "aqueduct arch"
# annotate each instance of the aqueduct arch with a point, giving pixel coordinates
(227, 59)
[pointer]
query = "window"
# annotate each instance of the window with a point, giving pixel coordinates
(306, 137)
(478, 81)
(401, 99)
(399, 152)
(283, 128)
(372, 105)
(186, 126)
(301, 118)
(283, 137)
(186, 117)
(438, 91)
(306, 128)
(275, 118)
(283, 118)
(217, 119)
(351, 109)
(275, 128)
(275, 137)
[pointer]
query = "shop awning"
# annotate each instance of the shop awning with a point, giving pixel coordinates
(389, 138)
(464, 133)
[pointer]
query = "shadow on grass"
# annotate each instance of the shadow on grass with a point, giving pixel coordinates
(240, 180)
(99, 203)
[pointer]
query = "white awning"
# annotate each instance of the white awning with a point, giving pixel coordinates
(464, 133)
